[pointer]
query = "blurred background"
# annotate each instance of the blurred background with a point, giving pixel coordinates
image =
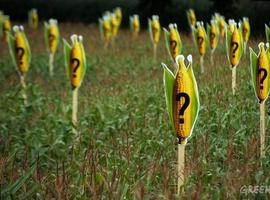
(88, 11)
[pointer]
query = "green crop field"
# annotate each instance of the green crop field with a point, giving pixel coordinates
(127, 148)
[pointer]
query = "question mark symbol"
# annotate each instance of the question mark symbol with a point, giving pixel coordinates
(234, 47)
(173, 45)
(245, 30)
(20, 53)
(155, 30)
(76, 62)
(200, 41)
(184, 106)
(51, 39)
(260, 70)
(212, 36)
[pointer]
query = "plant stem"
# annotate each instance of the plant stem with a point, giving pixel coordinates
(262, 129)
(24, 96)
(180, 168)
(201, 64)
(74, 110)
(233, 79)
(51, 58)
(245, 47)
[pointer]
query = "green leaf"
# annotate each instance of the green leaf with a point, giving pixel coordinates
(208, 32)
(167, 41)
(241, 47)
(100, 25)
(19, 183)
(11, 45)
(179, 41)
(84, 66)
(150, 29)
(194, 35)
(228, 35)
(195, 96)
(27, 48)
(267, 33)
(46, 34)
(130, 23)
(253, 68)
(168, 80)
(1, 28)
(124, 193)
(67, 49)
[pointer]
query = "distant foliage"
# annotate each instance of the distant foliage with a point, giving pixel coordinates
(88, 11)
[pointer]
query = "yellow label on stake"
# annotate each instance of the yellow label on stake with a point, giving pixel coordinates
(192, 17)
(76, 58)
(234, 47)
(35, 19)
(201, 40)
(155, 30)
(213, 36)
(136, 24)
(174, 42)
(53, 38)
(114, 24)
(182, 112)
(6, 28)
(222, 24)
(262, 73)
(246, 30)
(106, 29)
(21, 53)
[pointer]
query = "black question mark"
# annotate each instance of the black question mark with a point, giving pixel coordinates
(155, 30)
(51, 39)
(245, 30)
(260, 70)
(76, 62)
(200, 41)
(20, 53)
(212, 36)
(173, 44)
(234, 47)
(184, 106)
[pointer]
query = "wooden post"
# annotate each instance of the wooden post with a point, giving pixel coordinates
(180, 169)
(262, 129)
(51, 58)
(212, 58)
(74, 110)
(24, 96)
(155, 51)
(233, 79)
(201, 64)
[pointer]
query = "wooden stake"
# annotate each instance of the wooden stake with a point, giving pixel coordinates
(262, 129)
(51, 58)
(212, 58)
(233, 79)
(245, 48)
(24, 96)
(201, 64)
(180, 169)
(155, 51)
(74, 110)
